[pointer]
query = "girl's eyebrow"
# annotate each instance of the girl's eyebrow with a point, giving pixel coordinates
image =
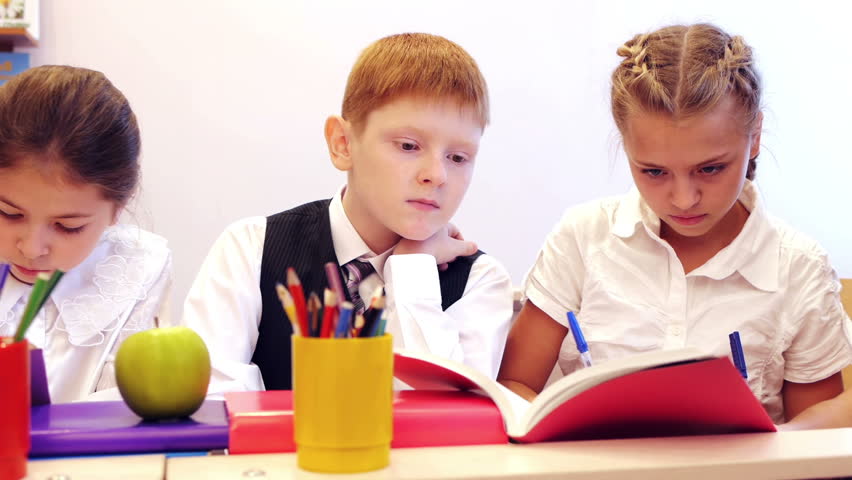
(9, 202)
(68, 216)
(716, 159)
(65, 216)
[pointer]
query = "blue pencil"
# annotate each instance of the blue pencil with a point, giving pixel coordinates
(344, 320)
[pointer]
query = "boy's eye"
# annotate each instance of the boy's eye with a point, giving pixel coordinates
(62, 228)
(653, 172)
(408, 146)
(457, 158)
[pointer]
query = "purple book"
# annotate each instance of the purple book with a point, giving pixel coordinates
(39, 392)
(110, 427)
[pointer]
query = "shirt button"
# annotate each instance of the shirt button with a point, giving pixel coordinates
(676, 331)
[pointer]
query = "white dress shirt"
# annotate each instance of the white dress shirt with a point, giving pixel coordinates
(606, 262)
(117, 291)
(224, 304)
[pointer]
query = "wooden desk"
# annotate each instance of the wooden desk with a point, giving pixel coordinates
(805, 454)
(132, 467)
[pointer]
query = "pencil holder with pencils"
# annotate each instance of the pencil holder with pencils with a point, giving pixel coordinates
(343, 398)
(15, 380)
(14, 408)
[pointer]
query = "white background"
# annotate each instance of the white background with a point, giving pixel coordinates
(232, 96)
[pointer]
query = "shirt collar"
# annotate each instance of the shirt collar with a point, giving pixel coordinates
(753, 253)
(632, 211)
(83, 277)
(12, 293)
(348, 244)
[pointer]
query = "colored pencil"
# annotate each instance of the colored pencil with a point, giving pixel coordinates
(51, 284)
(383, 323)
(344, 321)
(329, 313)
(357, 325)
(32, 307)
(289, 307)
(332, 272)
(314, 307)
(295, 287)
(373, 314)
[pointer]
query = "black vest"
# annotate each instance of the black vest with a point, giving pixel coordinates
(301, 238)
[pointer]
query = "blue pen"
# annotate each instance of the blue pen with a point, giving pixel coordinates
(737, 353)
(579, 339)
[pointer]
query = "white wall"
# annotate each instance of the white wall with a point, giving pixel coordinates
(232, 96)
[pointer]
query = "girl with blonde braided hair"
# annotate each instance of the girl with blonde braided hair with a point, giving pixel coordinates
(690, 255)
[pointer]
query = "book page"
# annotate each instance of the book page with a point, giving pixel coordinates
(583, 379)
(424, 371)
(514, 408)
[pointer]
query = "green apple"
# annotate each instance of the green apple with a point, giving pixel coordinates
(163, 372)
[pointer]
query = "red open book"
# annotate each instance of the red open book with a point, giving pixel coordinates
(659, 393)
(262, 422)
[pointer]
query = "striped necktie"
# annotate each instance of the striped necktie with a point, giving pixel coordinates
(357, 271)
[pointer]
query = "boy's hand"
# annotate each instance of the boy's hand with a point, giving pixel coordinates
(445, 245)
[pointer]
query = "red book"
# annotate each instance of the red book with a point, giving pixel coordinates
(262, 422)
(660, 393)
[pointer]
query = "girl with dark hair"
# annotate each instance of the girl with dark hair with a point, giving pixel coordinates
(69, 163)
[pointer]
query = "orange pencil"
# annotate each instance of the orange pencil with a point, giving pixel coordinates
(295, 286)
(329, 313)
(289, 307)
(377, 298)
(378, 293)
(358, 324)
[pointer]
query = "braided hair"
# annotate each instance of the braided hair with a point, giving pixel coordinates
(683, 71)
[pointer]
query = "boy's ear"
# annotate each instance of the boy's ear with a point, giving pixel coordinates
(337, 137)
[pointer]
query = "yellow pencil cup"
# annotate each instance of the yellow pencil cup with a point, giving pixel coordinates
(343, 400)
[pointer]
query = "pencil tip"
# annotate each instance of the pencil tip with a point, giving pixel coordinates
(329, 297)
(292, 278)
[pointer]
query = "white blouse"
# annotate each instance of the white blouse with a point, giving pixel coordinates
(606, 262)
(224, 304)
(118, 290)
